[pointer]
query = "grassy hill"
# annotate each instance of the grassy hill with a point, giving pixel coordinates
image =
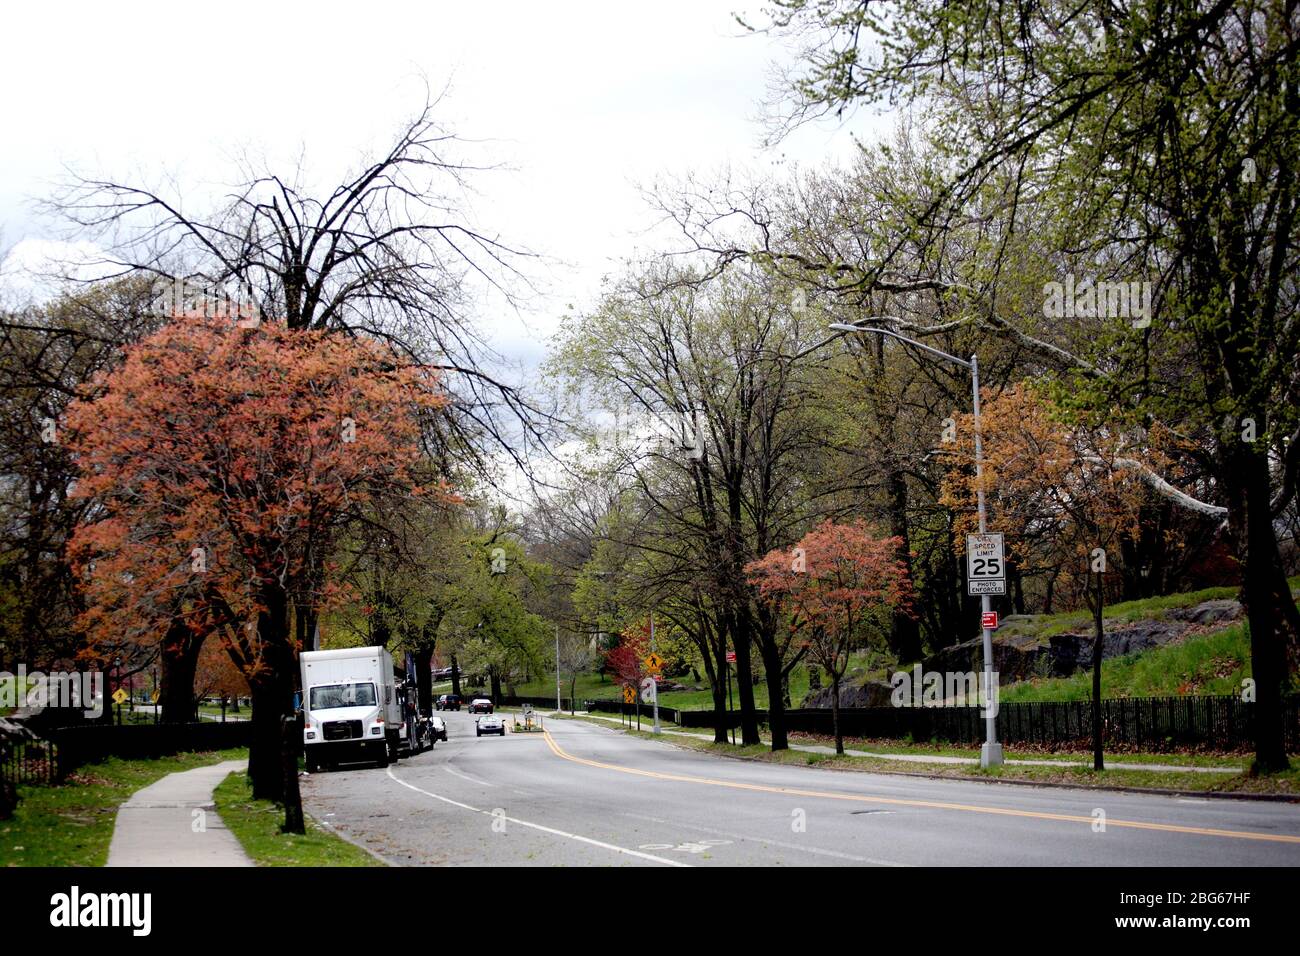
(1213, 663)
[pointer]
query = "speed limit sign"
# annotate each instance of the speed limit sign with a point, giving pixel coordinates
(986, 570)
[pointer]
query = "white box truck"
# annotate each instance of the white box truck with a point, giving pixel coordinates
(350, 705)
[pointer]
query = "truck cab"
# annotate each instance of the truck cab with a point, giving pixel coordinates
(351, 710)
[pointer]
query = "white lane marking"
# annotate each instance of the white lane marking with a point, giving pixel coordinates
(544, 829)
(464, 776)
(699, 846)
(814, 850)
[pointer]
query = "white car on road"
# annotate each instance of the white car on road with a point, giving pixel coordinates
(437, 728)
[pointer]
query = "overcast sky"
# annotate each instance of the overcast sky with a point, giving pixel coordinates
(583, 101)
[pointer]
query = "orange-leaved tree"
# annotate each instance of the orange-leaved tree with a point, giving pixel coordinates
(838, 590)
(1065, 492)
(225, 465)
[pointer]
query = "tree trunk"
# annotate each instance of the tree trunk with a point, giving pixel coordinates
(180, 661)
(455, 676)
(290, 745)
(905, 630)
(1267, 644)
(264, 771)
(721, 719)
(1098, 642)
(775, 706)
(741, 634)
(835, 713)
(304, 622)
(272, 690)
(495, 678)
(423, 657)
(711, 641)
(381, 625)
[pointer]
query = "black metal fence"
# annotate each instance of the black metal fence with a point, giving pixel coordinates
(669, 715)
(27, 762)
(1147, 723)
(1154, 724)
(77, 746)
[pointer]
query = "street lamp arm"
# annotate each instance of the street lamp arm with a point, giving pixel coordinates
(845, 327)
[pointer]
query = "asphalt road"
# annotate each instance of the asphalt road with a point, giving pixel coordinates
(586, 795)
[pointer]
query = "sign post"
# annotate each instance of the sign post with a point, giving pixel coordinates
(986, 574)
(654, 666)
(629, 695)
(731, 659)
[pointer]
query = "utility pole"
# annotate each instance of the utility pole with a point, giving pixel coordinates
(654, 682)
(557, 667)
(991, 751)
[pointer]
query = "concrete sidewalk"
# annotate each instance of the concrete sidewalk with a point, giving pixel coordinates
(159, 825)
(940, 759)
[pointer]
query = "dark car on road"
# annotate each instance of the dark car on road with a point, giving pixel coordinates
(448, 702)
(489, 724)
(480, 705)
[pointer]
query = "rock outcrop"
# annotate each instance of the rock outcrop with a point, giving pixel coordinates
(873, 693)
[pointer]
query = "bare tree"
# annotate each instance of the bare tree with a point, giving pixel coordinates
(386, 252)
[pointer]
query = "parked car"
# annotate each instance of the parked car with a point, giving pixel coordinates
(448, 702)
(480, 705)
(489, 724)
(437, 728)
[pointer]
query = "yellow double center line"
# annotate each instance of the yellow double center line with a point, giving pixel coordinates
(927, 804)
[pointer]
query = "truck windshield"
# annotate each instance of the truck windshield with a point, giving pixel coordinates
(341, 695)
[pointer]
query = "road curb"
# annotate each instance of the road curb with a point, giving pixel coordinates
(1052, 784)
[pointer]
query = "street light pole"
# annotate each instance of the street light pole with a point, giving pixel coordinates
(654, 682)
(991, 751)
(557, 667)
